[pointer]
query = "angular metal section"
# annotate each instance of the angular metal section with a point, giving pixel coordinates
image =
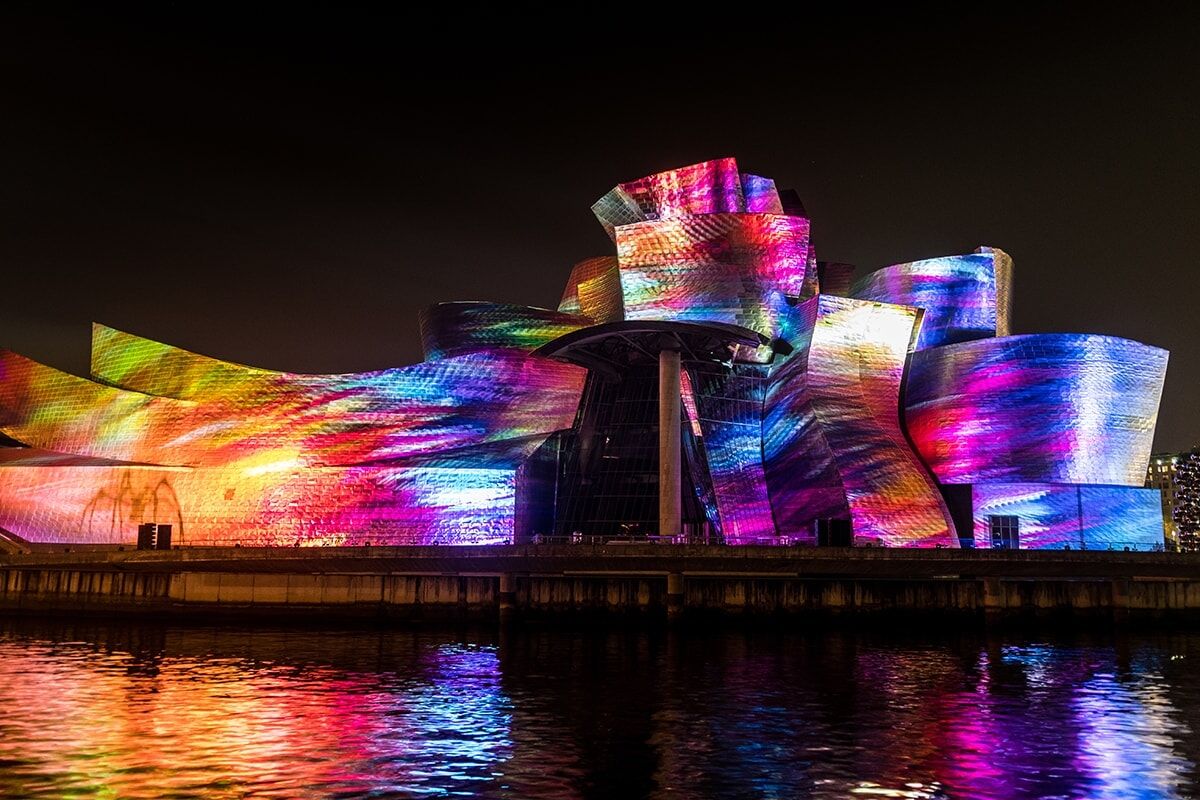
(761, 195)
(1040, 408)
(709, 187)
(731, 268)
(964, 297)
(597, 278)
(600, 297)
(832, 441)
(449, 330)
(138, 364)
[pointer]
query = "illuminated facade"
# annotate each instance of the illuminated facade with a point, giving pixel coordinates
(1187, 500)
(897, 410)
(1163, 476)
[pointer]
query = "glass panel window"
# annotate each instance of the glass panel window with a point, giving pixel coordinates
(1005, 530)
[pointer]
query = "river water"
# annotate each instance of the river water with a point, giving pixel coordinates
(139, 710)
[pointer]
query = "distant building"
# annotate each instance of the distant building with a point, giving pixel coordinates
(1161, 475)
(1186, 512)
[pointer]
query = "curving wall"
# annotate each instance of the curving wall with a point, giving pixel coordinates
(449, 330)
(1040, 408)
(594, 291)
(832, 442)
(964, 297)
(253, 418)
(710, 187)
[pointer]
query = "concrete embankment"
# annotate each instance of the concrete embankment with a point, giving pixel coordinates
(654, 581)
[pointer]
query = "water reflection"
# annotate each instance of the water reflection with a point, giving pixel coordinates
(144, 711)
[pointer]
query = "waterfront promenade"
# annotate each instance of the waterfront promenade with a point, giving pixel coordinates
(655, 580)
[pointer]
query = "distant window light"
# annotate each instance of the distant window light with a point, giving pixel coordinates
(1005, 531)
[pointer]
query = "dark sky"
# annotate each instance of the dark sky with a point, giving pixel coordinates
(289, 191)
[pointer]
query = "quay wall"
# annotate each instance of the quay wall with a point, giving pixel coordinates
(653, 582)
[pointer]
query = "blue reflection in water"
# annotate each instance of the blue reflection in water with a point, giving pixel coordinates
(446, 733)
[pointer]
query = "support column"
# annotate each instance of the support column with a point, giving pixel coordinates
(993, 598)
(507, 596)
(674, 596)
(670, 478)
(1120, 599)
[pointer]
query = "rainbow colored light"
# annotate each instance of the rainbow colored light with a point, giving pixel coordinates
(879, 409)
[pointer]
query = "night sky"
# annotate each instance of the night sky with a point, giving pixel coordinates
(289, 191)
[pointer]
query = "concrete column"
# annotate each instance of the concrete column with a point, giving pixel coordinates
(993, 598)
(1120, 600)
(507, 596)
(670, 477)
(674, 596)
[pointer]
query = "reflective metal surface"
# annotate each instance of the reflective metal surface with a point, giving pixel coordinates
(964, 297)
(1041, 408)
(792, 431)
(833, 446)
(460, 328)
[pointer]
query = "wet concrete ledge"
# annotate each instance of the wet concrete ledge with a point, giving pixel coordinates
(549, 581)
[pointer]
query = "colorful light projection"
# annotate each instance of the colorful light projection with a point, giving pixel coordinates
(449, 330)
(725, 408)
(702, 243)
(964, 297)
(733, 268)
(418, 455)
(1045, 408)
(761, 195)
(832, 441)
(782, 436)
(710, 187)
(383, 505)
(594, 291)
(1054, 516)
(240, 416)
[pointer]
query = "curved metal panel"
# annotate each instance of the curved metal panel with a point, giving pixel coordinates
(138, 364)
(1040, 408)
(449, 330)
(709, 187)
(262, 421)
(732, 268)
(832, 441)
(593, 290)
(964, 297)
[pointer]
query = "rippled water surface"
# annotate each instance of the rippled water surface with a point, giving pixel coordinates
(143, 711)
